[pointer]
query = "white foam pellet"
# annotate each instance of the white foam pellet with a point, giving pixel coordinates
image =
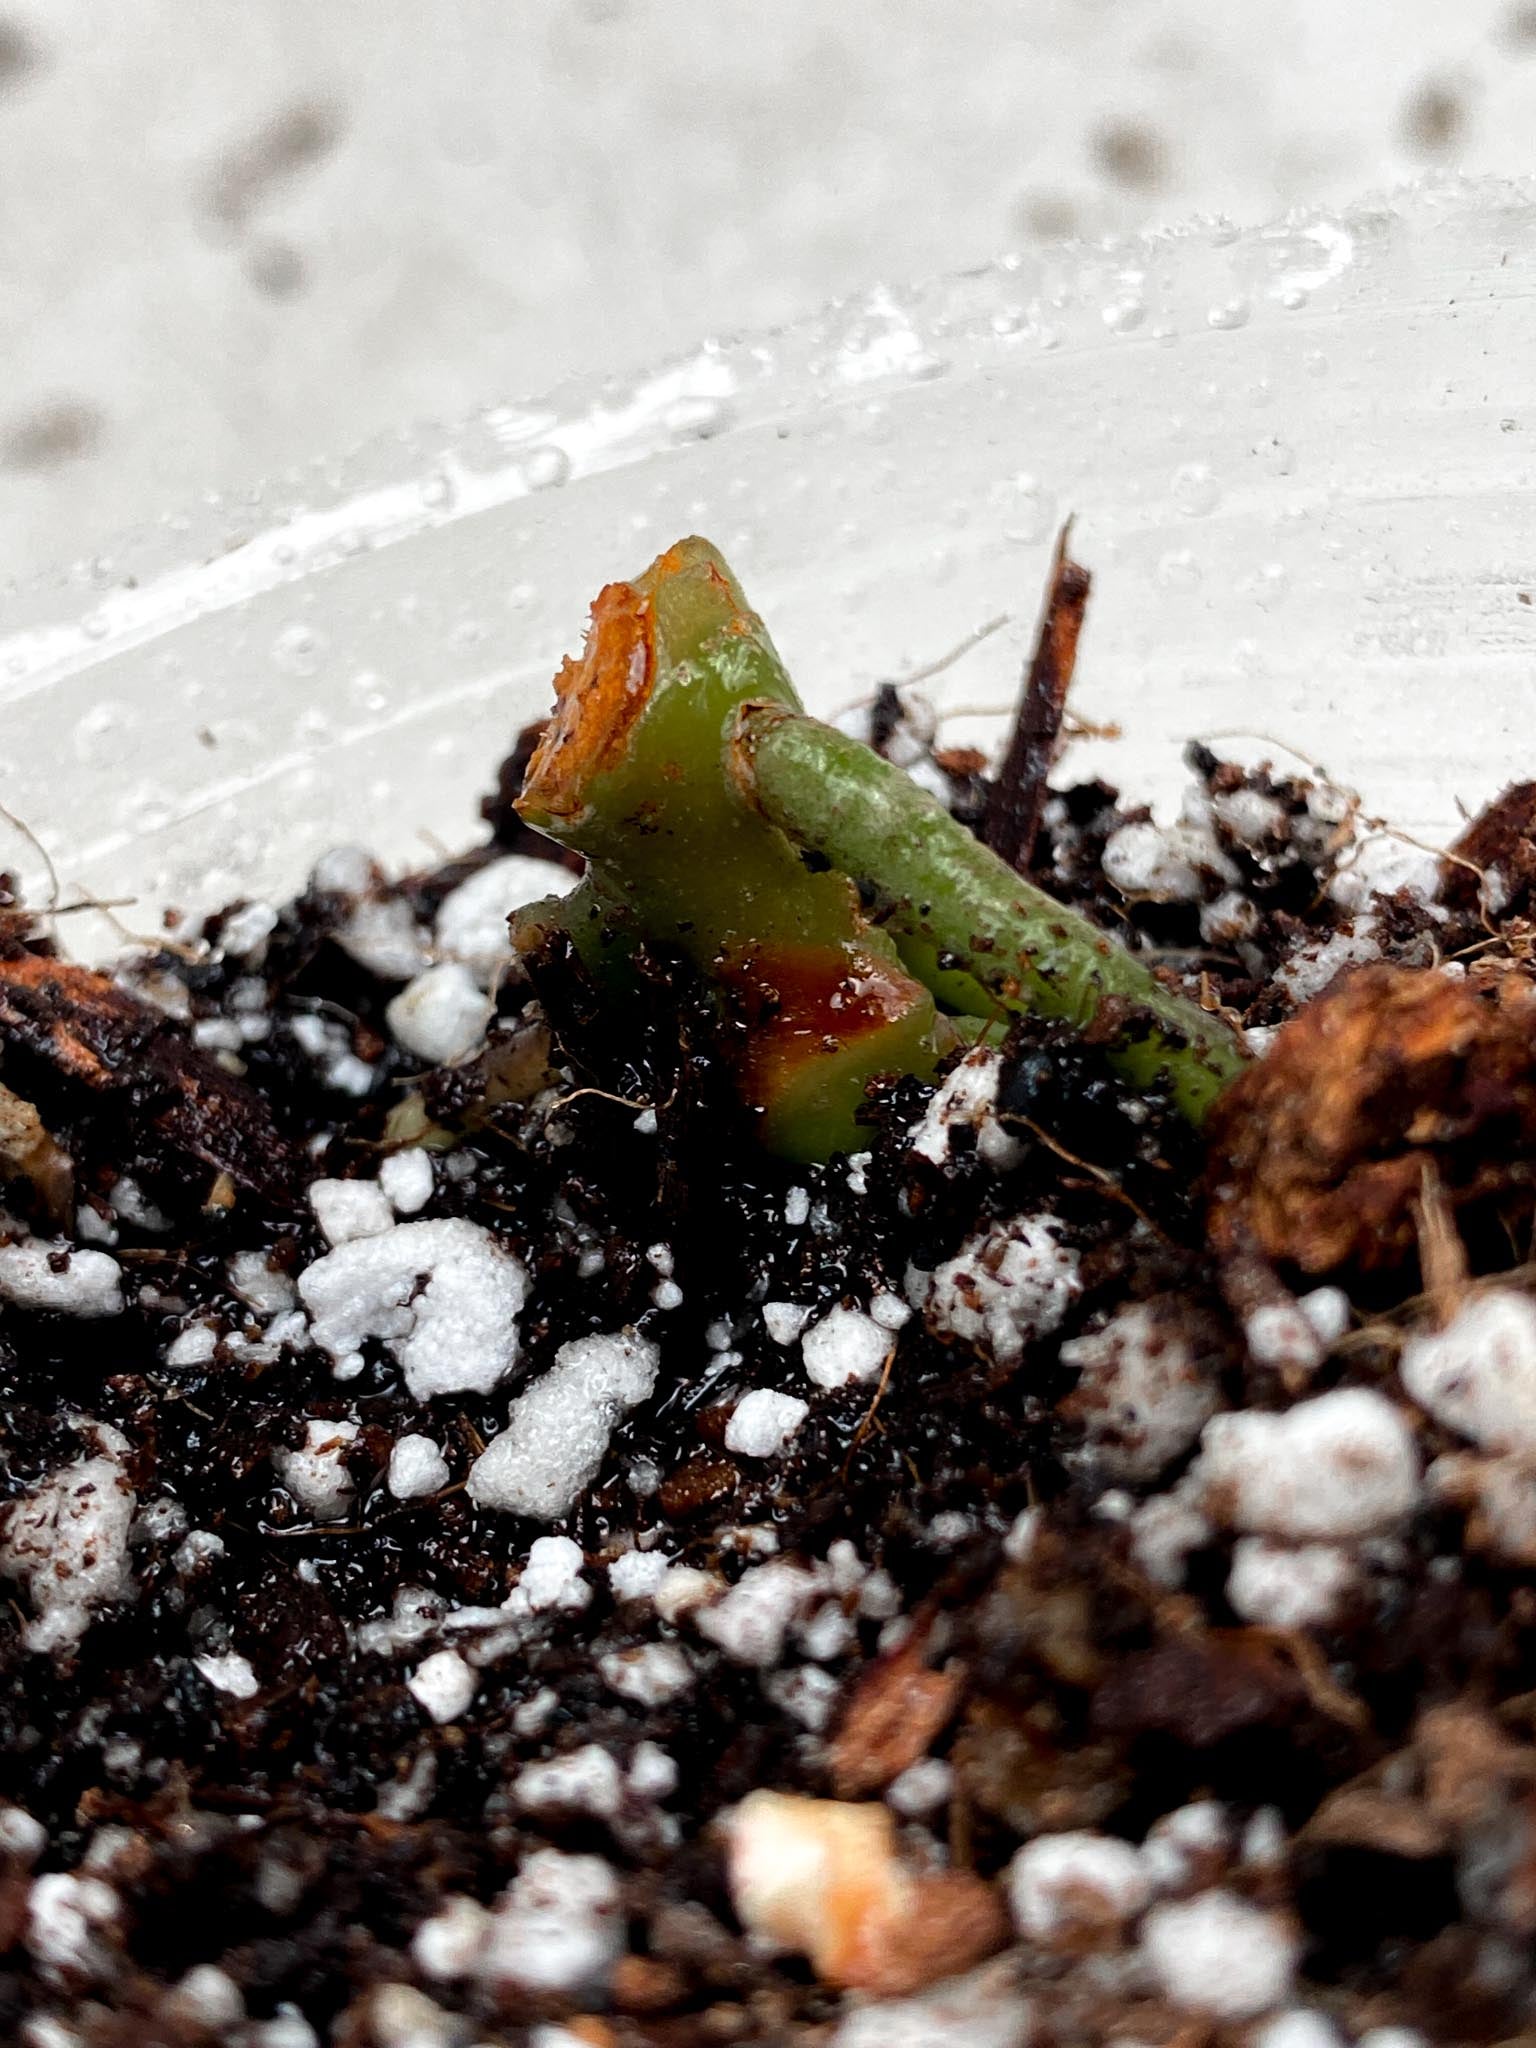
(244, 932)
(452, 1942)
(1217, 1954)
(921, 1788)
(348, 1209)
(1477, 1376)
(67, 1915)
(666, 1294)
(638, 1574)
(797, 1207)
(316, 1474)
(762, 1423)
(210, 1996)
(784, 1320)
(66, 1542)
(1164, 863)
(197, 1548)
(442, 1685)
(416, 1468)
(980, 2010)
(1392, 2037)
(399, 2016)
(1063, 1886)
(650, 1675)
(37, 1274)
(653, 1774)
(558, 1429)
(1383, 865)
(194, 1345)
(1327, 1309)
(440, 1016)
(844, 1348)
(536, 1712)
(1280, 1585)
(966, 1100)
(379, 931)
(406, 1178)
(1310, 969)
(229, 1673)
(552, 1578)
(1298, 2028)
(443, 1296)
(805, 1693)
(1341, 1465)
(1005, 1287)
(684, 1588)
(1280, 1334)
(472, 919)
(1230, 919)
(890, 1311)
(586, 1780)
(558, 1927)
(259, 1284)
(1142, 1396)
(1164, 1530)
(751, 1621)
(22, 1838)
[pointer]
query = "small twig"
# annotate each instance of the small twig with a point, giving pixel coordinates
(1018, 795)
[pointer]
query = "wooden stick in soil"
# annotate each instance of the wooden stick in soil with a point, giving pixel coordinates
(1018, 796)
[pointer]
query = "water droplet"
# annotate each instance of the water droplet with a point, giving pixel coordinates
(1292, 296)
(1196, 489)
(297, 650)
(1229, 313)
(147, 809)
(95, 625)
(1223, 232)
(1179, 569)
(545, 468)
(1029, 509)
(1124, 316)
(96, 730)
(1007, 320)
(698, 418)
(466, 634)
(367, 690)
(1315, 363)
(284, 553)
(437, 492)
(1277, 456)
(519, 597)
(312, 727)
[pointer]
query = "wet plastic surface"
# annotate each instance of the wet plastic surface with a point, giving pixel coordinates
(1300, 459)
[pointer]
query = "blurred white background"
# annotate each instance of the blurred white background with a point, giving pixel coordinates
(237, 234)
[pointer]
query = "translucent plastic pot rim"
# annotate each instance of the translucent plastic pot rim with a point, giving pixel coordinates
(1302, 462)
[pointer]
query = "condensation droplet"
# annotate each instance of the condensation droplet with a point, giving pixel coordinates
(147, 809)
(1293, 297)
(312, 727)
(297, 650)
(466, 634)
(1179, 569)
(437, 492)
(697, 419)
(1007, 320)
(1277, 456)
(1196, 488)
(1229, 313)
(1223, 232)
(96, 730)
(95, 626)
(545, 468)
(367, 690)
(1315, 363)
(1124, 316)
(1029, 509)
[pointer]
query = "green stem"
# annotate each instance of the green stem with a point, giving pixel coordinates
(632, 773)
(965, 921)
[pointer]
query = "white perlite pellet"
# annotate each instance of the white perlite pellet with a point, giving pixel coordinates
(1338, 1466)
(347, 1209)
(316, 1473)
(416, 1468)
(66, 1542)
(1217, 1954)
(1004, 1288)
(966, 1100)
(442, 1685)
(762, 1423)
(229, 1673)
(558, 1429)
(406, 1178)
(1063, 1886)
(37, 1274)
(443, 1296)
(472, 919)
(1142, 1397)
(1477, 1376)
(845, 1347)
(440, 1016)
(1278, 1585)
